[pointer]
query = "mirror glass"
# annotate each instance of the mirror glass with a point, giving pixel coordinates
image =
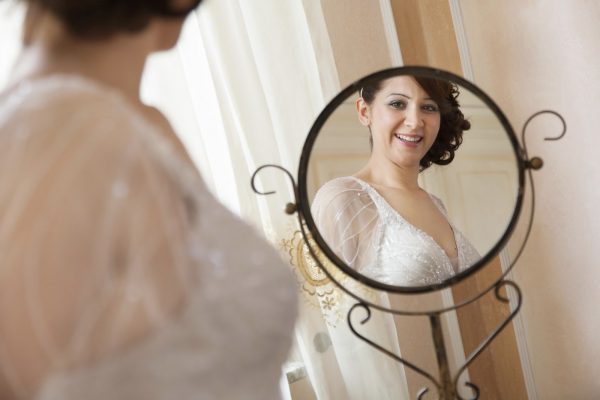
(412, 180)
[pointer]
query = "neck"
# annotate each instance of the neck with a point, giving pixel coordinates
(117, 61)
(385, 173)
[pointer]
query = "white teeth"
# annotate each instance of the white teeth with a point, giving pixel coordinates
(413, 139)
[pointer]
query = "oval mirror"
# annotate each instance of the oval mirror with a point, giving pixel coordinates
(411, 179)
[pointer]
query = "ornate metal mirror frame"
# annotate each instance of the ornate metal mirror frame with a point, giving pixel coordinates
(446, 385)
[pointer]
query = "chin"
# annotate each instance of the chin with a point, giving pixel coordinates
(407, 164)
(406, 161)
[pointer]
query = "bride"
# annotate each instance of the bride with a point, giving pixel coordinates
(380, 221)
(121, 275)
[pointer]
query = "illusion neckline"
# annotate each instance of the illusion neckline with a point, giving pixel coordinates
(454, 261)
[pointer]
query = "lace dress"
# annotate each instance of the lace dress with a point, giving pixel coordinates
(373, 238)
(121, 277)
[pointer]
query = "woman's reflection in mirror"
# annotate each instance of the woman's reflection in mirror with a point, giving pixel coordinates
(379, 220)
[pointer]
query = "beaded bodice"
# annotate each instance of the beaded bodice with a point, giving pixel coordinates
(373, 238)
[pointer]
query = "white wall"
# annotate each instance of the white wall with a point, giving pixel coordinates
(533, 55)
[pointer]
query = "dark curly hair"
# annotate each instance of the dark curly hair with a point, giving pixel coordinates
(98, 19)
(452, 124)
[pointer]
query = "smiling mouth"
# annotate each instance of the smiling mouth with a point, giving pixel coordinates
(408, 139)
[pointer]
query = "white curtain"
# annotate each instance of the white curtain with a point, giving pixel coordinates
(242, 89)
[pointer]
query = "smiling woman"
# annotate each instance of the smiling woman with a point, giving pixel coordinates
(405, 121)
(439, 106)
(413, 122)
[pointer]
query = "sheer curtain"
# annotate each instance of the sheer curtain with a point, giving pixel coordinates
(242, 89)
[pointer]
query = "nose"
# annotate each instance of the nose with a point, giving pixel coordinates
(413, 118)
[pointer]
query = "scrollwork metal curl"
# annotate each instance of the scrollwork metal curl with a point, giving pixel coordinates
(474, 388)
(266, 193)
(536, 114)
(486, 342)
(386, 351)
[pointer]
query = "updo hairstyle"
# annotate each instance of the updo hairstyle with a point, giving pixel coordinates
(98, 19)
(452, 121)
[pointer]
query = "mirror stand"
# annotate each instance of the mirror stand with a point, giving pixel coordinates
(447, 384)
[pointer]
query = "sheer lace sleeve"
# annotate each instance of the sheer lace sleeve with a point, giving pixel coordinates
(92, 241)
(347, 219)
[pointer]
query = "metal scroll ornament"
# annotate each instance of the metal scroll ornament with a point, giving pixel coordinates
(318, 268)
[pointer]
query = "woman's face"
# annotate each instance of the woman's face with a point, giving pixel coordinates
(403, 119)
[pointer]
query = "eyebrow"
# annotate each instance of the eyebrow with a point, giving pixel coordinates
(408, 97)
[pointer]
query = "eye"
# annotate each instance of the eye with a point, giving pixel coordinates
(398, 104)
(431, 108)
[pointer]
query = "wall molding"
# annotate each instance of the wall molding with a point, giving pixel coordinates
(461, 39)
(389, 26)
(456, 343)
(519, 328)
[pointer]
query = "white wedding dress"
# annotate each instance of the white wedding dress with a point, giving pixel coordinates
(121, 276)
(365, 232)
(370, 236)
